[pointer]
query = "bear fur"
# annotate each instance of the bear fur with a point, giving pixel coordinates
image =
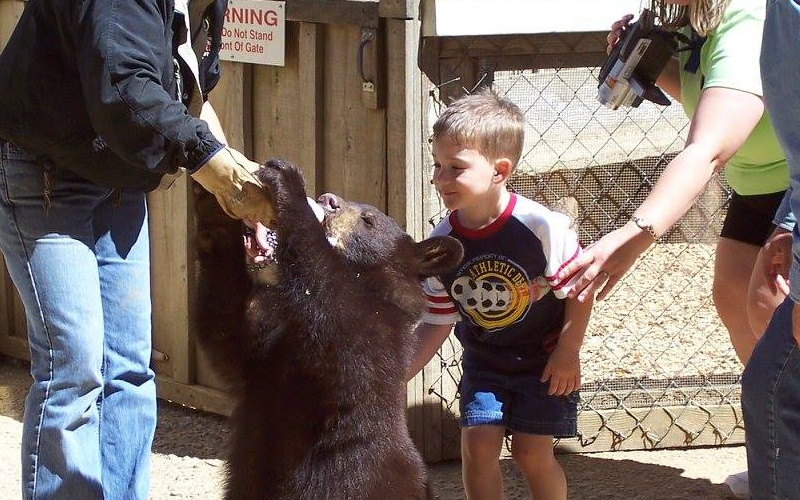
(320, 364)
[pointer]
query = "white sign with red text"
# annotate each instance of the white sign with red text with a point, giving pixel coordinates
(254, 32)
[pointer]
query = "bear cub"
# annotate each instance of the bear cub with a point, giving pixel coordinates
(321, 361)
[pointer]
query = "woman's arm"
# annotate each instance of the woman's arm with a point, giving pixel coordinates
(670, 79)
(722, 122)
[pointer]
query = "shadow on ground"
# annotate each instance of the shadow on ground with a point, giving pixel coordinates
(185, 435)
(593, 479)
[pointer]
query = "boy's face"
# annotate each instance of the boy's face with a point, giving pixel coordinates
(463, 176)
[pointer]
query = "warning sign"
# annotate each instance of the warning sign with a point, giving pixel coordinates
(254, 32)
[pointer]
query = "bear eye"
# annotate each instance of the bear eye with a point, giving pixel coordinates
(368, 219)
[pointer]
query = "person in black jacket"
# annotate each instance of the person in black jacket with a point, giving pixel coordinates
(100, 102)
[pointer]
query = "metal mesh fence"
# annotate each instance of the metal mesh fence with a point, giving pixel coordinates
(658, 366)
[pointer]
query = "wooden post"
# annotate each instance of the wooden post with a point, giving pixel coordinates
(172, 278)
(406, 174)
(311, 45)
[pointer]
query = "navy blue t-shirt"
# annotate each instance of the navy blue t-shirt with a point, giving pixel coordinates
(504, 297)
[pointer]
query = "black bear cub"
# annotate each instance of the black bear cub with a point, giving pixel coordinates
(322, 360)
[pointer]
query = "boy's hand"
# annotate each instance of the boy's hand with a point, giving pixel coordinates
(563, 370)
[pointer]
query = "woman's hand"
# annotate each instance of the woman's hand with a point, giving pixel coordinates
(606, 261)
(617, 30)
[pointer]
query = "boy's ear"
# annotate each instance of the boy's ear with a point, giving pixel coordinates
(437, 256)
(502, 169)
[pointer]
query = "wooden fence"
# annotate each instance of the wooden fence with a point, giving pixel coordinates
(359, 141)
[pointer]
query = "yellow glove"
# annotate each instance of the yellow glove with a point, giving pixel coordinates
(230, 177)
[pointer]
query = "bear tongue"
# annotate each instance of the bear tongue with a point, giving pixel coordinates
(318, 210)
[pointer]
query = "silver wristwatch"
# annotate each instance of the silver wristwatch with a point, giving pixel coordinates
(642, 224)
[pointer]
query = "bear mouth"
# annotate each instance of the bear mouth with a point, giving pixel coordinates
(260, 244)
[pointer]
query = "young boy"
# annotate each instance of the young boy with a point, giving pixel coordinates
(521, 337)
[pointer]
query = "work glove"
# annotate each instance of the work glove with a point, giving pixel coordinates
(230, 177)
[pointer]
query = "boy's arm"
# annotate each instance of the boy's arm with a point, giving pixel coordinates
(428, 340)
(576, 320)
(563, 369)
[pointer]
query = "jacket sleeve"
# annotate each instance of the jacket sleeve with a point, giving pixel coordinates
(121, 50)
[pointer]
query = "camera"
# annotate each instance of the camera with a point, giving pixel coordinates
(628, 76)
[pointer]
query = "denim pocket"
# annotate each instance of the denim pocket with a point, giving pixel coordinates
(14, 167)
(23, 179)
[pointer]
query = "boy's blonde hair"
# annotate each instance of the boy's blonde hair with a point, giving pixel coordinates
(492, 125)
(703, 15)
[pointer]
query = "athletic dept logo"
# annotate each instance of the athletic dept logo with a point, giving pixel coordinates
(495, 292)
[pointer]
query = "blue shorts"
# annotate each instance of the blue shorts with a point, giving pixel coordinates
(518, 402)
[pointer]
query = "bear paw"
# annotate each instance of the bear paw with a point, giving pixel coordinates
(285, 183)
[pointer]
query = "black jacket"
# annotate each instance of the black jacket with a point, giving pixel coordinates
(90, 86)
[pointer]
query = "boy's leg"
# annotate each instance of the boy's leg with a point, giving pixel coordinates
(535, 418)
(50, 258)
(770, 389)
(535, 458)
(128, 404)
(480, 461)
(482, 403)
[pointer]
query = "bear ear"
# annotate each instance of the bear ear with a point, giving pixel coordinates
(438, 255)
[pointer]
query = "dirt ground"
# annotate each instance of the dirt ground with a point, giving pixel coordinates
(189, 448)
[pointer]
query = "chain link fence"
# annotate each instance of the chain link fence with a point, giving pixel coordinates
(658, 366)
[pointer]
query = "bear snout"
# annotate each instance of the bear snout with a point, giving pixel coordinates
(330, 202)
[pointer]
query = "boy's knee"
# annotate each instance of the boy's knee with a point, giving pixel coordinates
(533, 454)
(480, 448)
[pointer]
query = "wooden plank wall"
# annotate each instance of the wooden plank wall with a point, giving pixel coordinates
(313, 112)
(310, 112)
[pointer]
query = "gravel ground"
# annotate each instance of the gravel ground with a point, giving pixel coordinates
(660, 320)
(187, 460)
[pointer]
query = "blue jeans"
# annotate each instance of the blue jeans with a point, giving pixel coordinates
(518, 401)
(771, 405)
(784, 217)
(780, 65)
(82, 269)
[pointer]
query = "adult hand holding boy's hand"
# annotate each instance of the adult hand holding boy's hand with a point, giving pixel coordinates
(563, 370)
